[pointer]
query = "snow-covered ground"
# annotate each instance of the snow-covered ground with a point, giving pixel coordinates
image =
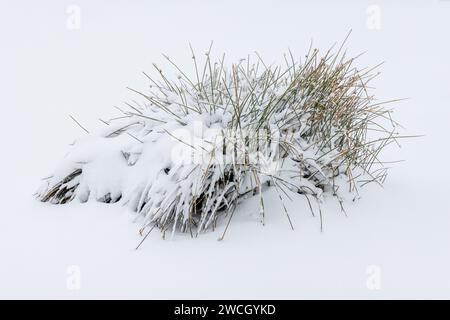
(394, 242)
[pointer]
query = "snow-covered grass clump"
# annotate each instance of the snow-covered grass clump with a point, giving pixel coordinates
(198, 145)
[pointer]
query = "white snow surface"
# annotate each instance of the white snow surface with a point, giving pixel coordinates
(50, 72)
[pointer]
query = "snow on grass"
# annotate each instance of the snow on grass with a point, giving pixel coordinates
(186, 157)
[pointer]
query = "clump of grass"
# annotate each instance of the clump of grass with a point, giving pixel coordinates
(309, 128)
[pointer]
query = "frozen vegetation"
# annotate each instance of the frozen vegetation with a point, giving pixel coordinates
(199, 145)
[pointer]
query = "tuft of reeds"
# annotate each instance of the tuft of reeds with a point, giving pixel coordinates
(309, 127)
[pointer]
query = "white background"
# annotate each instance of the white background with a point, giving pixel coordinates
(48, 71)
